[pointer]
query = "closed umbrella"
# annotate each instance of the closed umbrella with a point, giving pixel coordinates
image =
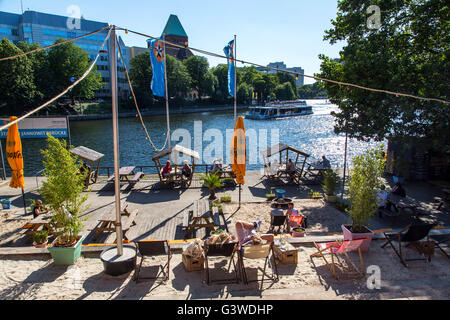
(239, 153)
(15, 158)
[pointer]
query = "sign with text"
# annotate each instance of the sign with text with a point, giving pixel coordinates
(39, 127)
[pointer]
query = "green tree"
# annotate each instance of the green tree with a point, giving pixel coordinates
(178, 78)
(311, 91)
(220, 94)
(286, 77)
(409, 53)
(285, 91)
(200, 77)
(244, 94)
(17, 87)
(141, 77)
(69, 61)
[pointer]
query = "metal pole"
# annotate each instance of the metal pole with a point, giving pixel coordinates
(115, 111)
(3, 162)
(345, 165)
(68, 131)
(167, 93)
(235, 81)
(24, 202)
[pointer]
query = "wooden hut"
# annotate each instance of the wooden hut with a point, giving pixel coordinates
(283, 150)
(90, 157)
(173, 153)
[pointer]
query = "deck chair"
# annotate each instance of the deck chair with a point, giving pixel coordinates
(440, 239)
(260, 251)
(340, 247)
(221, 250)
(278, 221)
(413, 234)
(152, 249)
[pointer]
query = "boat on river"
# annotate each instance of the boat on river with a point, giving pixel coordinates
(279, 109)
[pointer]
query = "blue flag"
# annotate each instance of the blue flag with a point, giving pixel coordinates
(229, 52)
(157, 59)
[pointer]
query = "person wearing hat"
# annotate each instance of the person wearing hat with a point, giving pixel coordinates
(187, 171)
(167, 169)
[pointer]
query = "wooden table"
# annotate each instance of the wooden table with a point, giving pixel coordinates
(315, 167)
(288, 255)
(126, 174)
(35, 225)
(108, 222)
(403, 204)
(199, 217)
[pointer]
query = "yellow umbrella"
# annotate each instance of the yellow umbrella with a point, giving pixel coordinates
(14, 154)
(238, 151)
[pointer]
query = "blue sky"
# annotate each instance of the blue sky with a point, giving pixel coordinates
(267, 31)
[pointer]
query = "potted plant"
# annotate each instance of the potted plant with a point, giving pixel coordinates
(212, 181)
(314, 195)
(330, 182)
(298, 232)
(270, 196)
(225, 198)
(365, 180)
(63, 193)
(40, 239)
(218, 205)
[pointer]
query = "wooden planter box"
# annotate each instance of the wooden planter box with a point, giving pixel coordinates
(191, 264)
(289, 256)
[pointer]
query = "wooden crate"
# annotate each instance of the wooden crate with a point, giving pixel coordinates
(191, 264)
(289, 256)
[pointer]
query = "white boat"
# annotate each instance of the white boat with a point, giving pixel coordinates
(279, 109)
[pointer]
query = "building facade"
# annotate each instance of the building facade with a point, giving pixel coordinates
(44, 29)
(174, 32)
(282, 66)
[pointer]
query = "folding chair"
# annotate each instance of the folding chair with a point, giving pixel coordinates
(278, 221)
(260, 251)
(152, 249)
(221, 250)
(439, 239)
(414, 233)
(299, 221)
(340, 247)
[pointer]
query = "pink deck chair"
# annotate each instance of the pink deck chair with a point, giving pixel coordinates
(340, 247)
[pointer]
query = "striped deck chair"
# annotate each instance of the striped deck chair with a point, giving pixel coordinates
(340, 247)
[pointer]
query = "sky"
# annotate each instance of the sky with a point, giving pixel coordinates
(267, 31)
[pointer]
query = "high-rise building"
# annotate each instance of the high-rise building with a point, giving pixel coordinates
(282, 66)
(44, 29)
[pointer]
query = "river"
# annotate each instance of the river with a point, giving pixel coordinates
(312, 134)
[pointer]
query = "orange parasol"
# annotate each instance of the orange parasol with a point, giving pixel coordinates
(238, 151)
(14, 154)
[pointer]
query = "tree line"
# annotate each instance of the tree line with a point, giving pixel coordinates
(30, 80)
(210, 85)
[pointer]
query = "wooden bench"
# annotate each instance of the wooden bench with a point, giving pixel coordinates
(137, 177)
(200, 217)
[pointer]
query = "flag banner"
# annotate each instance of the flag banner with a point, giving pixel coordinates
(157, 59)
(229, 52)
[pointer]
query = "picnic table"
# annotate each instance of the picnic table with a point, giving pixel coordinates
(107, 223)
(315, 170)
(126, 174)
(41, 222)
(199, 217)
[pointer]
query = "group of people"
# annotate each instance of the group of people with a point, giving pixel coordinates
(249, 233)
(185, 171)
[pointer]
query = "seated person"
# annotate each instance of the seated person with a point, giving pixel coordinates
(290, 166)
(274, 166)
(186, 171)
(276, 212)
(167, 169)
(325, 162)
(247, 233)
(398, 190)
(217, 165)
(383, 201)
(84, 168)
(294, 213)
(39, 209)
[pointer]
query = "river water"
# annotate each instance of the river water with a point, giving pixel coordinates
(207, 131)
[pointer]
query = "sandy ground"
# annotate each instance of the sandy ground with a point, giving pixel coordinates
(322, 218)
(11, 224)
(36, 277)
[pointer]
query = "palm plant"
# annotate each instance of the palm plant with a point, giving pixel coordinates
(330, 182)
(212, 181)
